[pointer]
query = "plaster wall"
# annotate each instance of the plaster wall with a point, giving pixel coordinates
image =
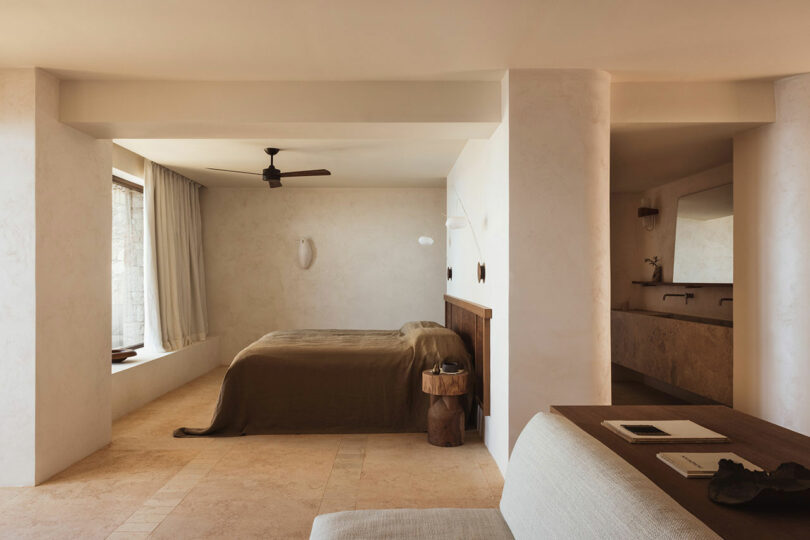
(771, 262)
(368, 270)
(55, 306)
(73, 252)
(631, 244)
(17, 276)
(480, 178)
(559, 243)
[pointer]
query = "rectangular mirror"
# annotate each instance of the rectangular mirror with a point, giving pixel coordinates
(704, 237)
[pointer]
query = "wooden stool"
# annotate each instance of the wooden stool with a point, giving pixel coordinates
(446, 415)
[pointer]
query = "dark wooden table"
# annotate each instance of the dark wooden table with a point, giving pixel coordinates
(760, 442)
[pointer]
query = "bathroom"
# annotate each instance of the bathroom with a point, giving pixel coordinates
(672, 263)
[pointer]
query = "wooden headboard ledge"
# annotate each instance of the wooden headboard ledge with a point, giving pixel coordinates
(471, 322)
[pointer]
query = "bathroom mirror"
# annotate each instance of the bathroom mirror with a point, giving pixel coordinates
(704, 237)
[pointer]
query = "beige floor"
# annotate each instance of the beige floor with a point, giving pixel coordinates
(148, 484)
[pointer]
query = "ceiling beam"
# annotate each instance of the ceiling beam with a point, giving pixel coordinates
(166, 109)
(695, 102)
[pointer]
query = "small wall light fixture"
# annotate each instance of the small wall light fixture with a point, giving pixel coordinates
(460, 222)
(425, 241)
(647, 215)
(456, 222)
(304, 253)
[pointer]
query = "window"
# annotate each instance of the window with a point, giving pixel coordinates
(127, 264)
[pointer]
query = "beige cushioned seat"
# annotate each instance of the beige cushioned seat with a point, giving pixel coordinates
(560, 483)
(444, 523)
(563, 483)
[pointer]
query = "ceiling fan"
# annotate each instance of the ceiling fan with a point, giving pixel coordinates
(273, 176)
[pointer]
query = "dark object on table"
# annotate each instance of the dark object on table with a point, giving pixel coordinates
(787, 486)
(450, 367)
(119, 355)
(436, 369)
(644, 429)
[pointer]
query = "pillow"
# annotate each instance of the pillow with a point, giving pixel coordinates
(418, 325)
(433, 343)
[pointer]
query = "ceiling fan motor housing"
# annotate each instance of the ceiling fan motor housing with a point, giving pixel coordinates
(271, 173)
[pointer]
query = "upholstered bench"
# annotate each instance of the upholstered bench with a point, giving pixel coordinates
(560, 483)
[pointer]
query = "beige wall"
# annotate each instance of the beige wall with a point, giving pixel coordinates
(631, 244)
(480, 177)
(74, 227)
(772, 264)
(368, 270)
(537, 195)
(60, 361)
(559, 241)
(17, 277)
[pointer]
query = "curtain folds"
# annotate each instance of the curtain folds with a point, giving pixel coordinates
(173, 260)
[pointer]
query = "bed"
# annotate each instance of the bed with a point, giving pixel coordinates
(335, 381)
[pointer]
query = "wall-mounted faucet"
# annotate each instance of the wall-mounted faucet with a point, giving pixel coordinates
(720, 303)
(686, 296)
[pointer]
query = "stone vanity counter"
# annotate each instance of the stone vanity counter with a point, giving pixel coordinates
(692, 353)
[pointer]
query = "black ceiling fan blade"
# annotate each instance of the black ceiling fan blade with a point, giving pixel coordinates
(315, 172)
(240, 172)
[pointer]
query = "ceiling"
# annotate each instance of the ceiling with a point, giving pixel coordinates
(396, 40)
(353, 163)
(369, 40)
(643, 156)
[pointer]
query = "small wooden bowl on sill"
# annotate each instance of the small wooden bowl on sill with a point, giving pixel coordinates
(119, 355)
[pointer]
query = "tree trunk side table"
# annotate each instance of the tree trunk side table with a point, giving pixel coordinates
(446, 415)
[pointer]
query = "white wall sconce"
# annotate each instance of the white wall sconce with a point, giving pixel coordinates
(647, 215)
(456, 222)
(425, 241)
(304, 253)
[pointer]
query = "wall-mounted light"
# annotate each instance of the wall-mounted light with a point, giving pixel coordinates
(425, 241)
(647, 215)
(456, 222)
(460, 222)
(304, 253)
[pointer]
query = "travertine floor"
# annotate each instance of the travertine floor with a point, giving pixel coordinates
(149, 484)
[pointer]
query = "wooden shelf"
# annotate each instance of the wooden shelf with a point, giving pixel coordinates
(686, 285)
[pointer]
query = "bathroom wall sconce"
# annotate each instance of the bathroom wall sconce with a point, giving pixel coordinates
(449, 273)
(304, 253)
(647, 215)
(425, 241)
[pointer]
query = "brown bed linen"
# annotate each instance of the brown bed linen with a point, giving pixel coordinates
(331, 381)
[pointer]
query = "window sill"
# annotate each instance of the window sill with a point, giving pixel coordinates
(144, 356)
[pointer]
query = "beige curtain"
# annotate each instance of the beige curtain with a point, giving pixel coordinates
(173, 260)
